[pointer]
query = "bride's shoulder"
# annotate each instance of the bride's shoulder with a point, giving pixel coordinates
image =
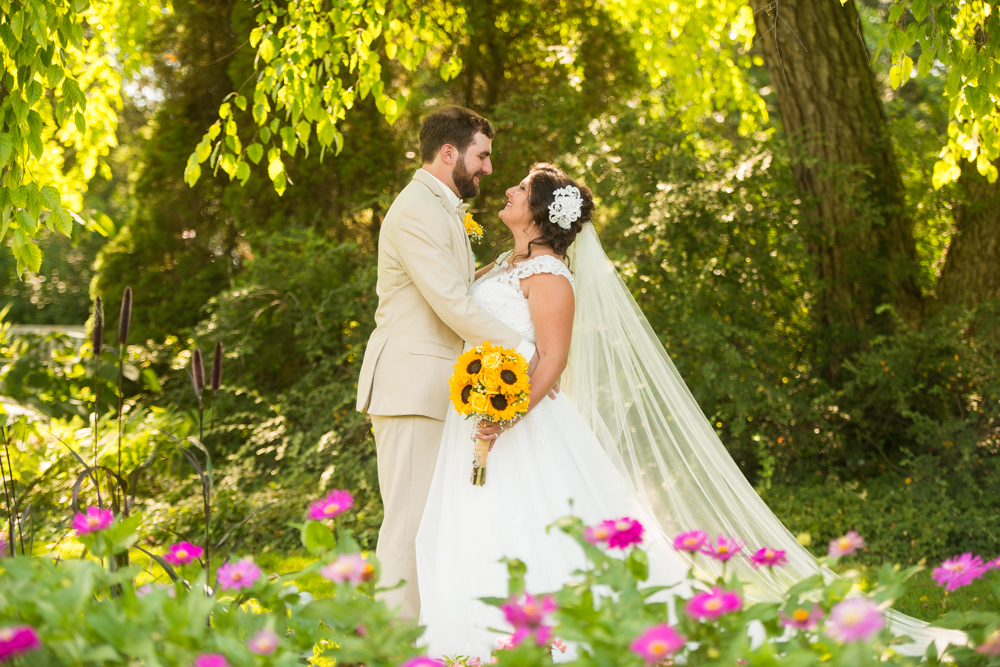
(543, 264)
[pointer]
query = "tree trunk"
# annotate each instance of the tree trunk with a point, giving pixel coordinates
(971, 271)
(858, 233)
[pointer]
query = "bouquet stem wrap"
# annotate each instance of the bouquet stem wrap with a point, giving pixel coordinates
(479, 462)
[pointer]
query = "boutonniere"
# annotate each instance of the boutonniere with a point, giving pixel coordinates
(472, 228)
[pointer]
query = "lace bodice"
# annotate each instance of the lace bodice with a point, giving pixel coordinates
(499, 290)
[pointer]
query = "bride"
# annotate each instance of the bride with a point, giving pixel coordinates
(624, 437)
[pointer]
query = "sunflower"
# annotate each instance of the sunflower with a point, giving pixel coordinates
(470, 363)
(514, 376)
(461, 393)
(503, 407)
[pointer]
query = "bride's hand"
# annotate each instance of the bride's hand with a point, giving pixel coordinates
(490, 431)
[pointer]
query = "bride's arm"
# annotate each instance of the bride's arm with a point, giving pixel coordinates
(550, 300)
(483, 271)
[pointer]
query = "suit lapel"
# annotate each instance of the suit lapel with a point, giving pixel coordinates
(436, 188)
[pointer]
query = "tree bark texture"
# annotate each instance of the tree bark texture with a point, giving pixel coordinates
(858, 233)
(971, 271)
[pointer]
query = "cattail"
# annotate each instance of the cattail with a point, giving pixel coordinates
(125, 319)
(217, 367)
(198, 373)
(97, 334)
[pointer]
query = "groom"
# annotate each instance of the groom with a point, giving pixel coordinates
(424, 315)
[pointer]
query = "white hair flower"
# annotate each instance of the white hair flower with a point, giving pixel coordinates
(566, 209)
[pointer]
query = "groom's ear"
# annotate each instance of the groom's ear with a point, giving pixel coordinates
(448, 154)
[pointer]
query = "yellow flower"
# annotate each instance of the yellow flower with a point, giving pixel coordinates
(514, 376)
(480, 404)
(472, 228)
(470, 363)
(492, 360)
(490, 379)
(504, 407)
(460, 394)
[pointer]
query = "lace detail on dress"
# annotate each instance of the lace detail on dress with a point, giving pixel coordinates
(499, 291)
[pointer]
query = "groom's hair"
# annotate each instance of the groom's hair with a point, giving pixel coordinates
(453, 125)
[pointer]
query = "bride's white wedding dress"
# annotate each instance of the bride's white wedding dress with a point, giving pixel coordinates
(536, 468)
(625, 437)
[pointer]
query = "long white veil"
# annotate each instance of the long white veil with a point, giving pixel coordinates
(624, 384)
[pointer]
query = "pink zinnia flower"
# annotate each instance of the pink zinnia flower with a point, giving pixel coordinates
(959, 571)
(504, 643)
(769, 557)
(846, 545)
(528, 618)
(990, 645)
(802, 618)
(92, 520)
(657, 643)
(597, 534)
(722, 549)
(265, 642)
(625, 533)
(335, 504)
(422, 661)
(349, 567)
(542, 634)
(210, 660)
(529, 613)
(16, 640)
(558, 645)
(690, 541)
(233, 577)
(857, 619)
(183, 553)
(713, 604)
(146, 589)
(993, 564)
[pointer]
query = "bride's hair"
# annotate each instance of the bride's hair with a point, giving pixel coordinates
(543, 180)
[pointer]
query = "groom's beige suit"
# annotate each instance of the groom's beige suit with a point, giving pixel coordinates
(424, 317)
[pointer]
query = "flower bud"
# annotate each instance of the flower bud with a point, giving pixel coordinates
(198, 373)
(217, 367)
(125, 318)
(97, 333)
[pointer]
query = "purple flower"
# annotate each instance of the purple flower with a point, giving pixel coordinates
(422, 661)
(183, 553)
(4, 547)
(597, 534)
(722, 549)
(16, 640)
(92, 521)
(349, 567)
(265, 642)
(690, 541)
(856, 619)
(233, 577)
(625, 532)
(769, 557)
(528, 618)
(210, 660)
(990, 645)
(146, 589)
(802, 617)
(846, 545)
(713, 604)
(959, 571)
(658, 643)
(336, 503)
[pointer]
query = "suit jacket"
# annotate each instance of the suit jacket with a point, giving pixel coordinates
(425, 313)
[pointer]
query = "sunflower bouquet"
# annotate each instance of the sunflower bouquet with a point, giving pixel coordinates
(490, 383)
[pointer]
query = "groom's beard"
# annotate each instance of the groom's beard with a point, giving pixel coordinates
(464, 183)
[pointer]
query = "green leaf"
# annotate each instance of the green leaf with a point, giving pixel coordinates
(925, 62)
(192, 172)
(266, 50)
(265, 135)
(54, 75)
(317, 537)
(894, 76)
(920, 9)
(638, 564)
(224, 110)
(53, 202)
(288, 141)
(33, 92)
(29, 256)
(241, 102)
(255, 152)
(243, 172)
(275, 166)
(979, 100)
(944, 173)
(896, 11)
(6, 148)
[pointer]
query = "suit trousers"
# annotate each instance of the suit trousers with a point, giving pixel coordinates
(407, 450)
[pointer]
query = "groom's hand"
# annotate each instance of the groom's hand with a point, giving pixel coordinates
(531, 371)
